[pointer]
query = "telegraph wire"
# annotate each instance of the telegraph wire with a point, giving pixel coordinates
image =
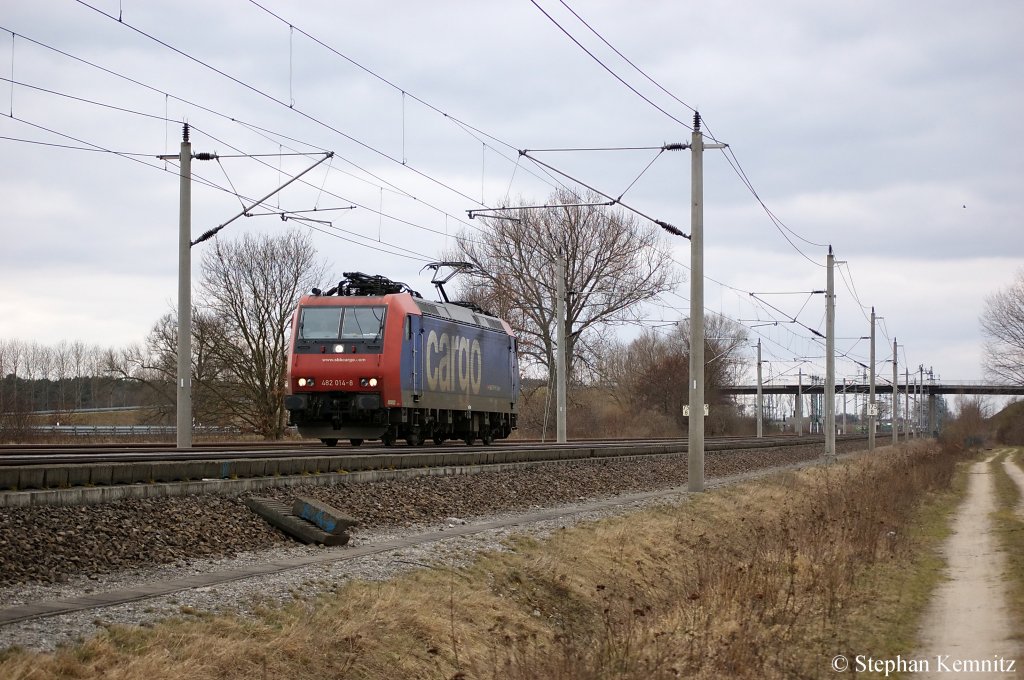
(166, 119)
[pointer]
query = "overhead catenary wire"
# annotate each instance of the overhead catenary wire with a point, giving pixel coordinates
(661, 223)
(607, 68)
(100, 149)
(391, 249)
(446, 213)
(728, 152)
(463, 124)
(470, 130)
(664, 225)
(269, 134)
(276, 100)
(71, 147)
(240, 155)
(363, 206)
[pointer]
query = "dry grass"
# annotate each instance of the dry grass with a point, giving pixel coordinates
(1009, 523)
(767, 579)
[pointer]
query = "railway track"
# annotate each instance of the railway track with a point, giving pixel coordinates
(107, 475)
(50, 454)
(273, 566)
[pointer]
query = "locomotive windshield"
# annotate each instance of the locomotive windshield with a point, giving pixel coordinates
(341, 323)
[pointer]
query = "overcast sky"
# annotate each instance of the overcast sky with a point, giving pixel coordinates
(890, 130)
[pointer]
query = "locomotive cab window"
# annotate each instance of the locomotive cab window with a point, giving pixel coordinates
(363, 323)
(320, 323)
(341, 323)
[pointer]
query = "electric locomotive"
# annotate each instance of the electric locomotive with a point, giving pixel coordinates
(372, 360)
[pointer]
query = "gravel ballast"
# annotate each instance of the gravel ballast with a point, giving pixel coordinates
(49, 552)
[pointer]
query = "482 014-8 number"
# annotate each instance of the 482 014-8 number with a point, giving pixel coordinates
(338, 383)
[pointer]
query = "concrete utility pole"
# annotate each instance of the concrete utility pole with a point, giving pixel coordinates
(921, 397)
(933, 423)
(184, 421)
(872, 407)
(760, 392)
(695, 457)
(895, 397)
(906, 402)
(844, 406)
(184, 387)
(798, 407)
(560, 339)
(830, 360)
(863, 402)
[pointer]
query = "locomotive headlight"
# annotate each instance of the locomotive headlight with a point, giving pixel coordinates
(373, 382)
(339, 349)
(305, 382)
(367, 382)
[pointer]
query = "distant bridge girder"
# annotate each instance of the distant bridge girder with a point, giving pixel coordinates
(862, 388)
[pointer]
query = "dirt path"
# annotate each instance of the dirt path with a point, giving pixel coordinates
(967, 620)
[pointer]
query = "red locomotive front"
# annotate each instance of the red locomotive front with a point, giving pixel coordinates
(339, 375)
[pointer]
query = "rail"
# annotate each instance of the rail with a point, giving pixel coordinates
(124, 430)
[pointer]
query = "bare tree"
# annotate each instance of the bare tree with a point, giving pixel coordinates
(38, 367)
(61, 373)
(250, 287)
(5, 365)
(15, 407)
(652, 372)
(612, 265)
(79, 358)
(1002, 324)
(154, 366)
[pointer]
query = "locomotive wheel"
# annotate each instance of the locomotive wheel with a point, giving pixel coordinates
(469, 439)
(486, 438)
(388, 439)
(330, 442)
(356, 442)
(412, 439)
(438, 441)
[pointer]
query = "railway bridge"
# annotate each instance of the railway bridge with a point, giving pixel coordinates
(918, 390)
(885, 387)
